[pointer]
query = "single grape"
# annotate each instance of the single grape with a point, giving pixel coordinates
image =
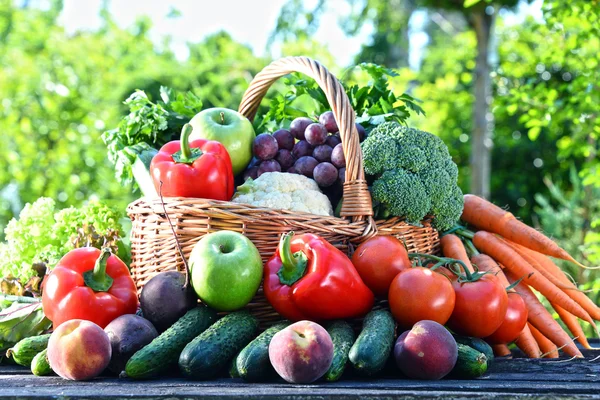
(298, 126)
(305, 165)
(328, 121)
(342, 175)
(337, 156)
(268, 166)
(265, 146)
(251, 172)
(361, 132)
(322, 152)
(333, 140)
(325, 174)
(284, 138)
(301, 149)
(285, 159)
(315, 134)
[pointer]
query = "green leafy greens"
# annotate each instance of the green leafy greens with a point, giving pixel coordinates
(374, 103)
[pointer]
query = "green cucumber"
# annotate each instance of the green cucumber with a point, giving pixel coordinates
(253, 364)
(478, 344)
(163, 352)
(26, 349)
(342, 337)
(371, 350)
(470, 363)
(233, 371)
(210, 352)
(40, 365)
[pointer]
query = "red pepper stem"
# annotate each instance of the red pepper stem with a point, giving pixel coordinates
(97, 279)
(293, 265)
(186, 152)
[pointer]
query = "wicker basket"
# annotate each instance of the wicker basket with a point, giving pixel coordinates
(153, 245)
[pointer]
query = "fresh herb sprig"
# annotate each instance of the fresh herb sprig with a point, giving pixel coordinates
(374, 103)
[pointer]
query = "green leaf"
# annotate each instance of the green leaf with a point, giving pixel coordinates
(534, 133)
(470, 3)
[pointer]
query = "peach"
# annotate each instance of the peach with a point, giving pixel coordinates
(302, 352)
(79, 350)
(427, 351)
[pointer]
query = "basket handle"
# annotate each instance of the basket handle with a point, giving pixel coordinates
(357, 199)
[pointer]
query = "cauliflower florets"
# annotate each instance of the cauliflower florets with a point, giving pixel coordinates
(284, 191)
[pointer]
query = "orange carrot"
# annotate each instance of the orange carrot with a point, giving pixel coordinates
(501, 350)
(580, 297)
(523, 252)
(573, 324)
(484, 215)
(496, 248)
(542, 320)
(453, 247)
(546, 346)
(527, 344)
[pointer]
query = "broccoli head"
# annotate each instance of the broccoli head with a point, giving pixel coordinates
(413, 174)
(402, 193)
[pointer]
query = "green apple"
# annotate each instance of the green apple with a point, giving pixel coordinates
(226, 270)
(231, 129)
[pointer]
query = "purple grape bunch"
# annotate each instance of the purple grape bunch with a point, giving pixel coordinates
(310, 148)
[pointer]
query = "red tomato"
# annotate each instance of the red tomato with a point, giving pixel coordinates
(418, 294)
(378, 260)
(480, 307)
(514, 321)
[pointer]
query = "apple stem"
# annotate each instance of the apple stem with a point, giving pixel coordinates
(293, 265)
(185, 264)
(222, 118)
(97, 279)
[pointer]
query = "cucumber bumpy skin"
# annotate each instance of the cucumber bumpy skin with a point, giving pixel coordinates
(253, 364)
(40, 365)
(373, 347)
(470, 363)
(163, 352)
(210, 352)
(478, 344)
(342, 337)
(26, 349)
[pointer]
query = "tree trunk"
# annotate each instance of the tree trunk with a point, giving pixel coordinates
(483, 120)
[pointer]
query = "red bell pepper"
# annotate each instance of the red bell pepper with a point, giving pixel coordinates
(308, 278)
(89, 284)
(200, 168)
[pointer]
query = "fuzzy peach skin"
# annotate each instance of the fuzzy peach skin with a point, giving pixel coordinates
(79, 350)
(302, 352)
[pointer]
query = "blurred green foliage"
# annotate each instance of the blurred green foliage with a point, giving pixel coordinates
(59, 92)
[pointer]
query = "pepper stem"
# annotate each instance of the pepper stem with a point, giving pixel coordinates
(185, 141)
(293, 265)
(186, 155)
(97, 279)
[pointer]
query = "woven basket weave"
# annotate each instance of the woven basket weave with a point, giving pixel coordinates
(154, 247)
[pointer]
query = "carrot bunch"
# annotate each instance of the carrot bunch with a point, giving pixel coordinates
(521, 256)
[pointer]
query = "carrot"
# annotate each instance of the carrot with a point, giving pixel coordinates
(484, 215)
(453, 247)
(546, 346)
(523, 252)
(527, 344)
(501, 350)
(573, 292)
(542, 320)
(496, 248)
(573, 324)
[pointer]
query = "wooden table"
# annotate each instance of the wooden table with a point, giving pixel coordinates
(539, 379)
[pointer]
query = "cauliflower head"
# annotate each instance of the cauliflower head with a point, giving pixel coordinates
(284, 191)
